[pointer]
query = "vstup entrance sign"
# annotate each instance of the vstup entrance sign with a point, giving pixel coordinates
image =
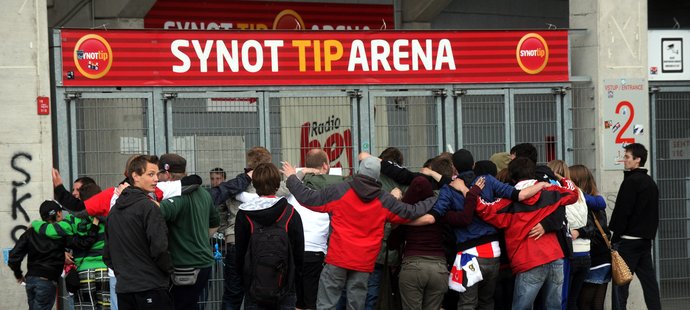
(246, 58)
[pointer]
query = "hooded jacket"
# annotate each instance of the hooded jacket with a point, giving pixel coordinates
(359, 209)
(517, 218)
(266, 211)
(46, 255)
(136, 243)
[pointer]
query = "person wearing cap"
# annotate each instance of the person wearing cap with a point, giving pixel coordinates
(191, 218)
(136, 241)
(46, 257)
(359, 209)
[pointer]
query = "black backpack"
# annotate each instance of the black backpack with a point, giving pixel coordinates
(269, 266)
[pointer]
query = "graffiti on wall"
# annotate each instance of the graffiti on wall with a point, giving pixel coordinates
(17, 200)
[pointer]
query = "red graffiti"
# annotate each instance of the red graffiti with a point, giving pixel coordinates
(334, 146)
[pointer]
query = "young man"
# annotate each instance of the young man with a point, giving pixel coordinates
(190, 219)
(536, 262)
(354, 242)
(634, 223)
(46, 258)
(217, 176)
(136, 241)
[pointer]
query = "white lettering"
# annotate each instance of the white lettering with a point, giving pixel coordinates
(423, 55)
(398, 54)
(357, 56)
(224, 56)
(273, 45)
(444, 55)
(380, 56)
(175, 49)
(203, 54)
(259, 56)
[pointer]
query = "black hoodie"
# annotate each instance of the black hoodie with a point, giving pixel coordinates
(136, 243)
(266, 211)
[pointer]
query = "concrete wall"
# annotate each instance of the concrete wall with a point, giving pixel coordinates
(25, 137)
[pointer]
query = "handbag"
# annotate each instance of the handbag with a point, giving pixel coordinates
(620, 272)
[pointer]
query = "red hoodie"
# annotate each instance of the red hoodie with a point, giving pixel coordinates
(518, 218)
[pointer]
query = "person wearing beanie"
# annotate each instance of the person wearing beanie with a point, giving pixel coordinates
(501, 160)
(46, 257)
(474, 237)
(484, 167)
(359, 209)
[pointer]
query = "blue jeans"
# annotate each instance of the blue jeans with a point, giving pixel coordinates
(186, 296)
(373, 287)
(287, 303)
(233, 292)
(113, 294)
(528, 284)
(40, 293)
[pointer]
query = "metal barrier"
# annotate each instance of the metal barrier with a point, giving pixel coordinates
(584, 116)
(671, 170)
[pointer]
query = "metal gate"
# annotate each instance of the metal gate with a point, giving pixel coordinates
(670, 108)
(98, 131)
(409, 120)
(493, 120)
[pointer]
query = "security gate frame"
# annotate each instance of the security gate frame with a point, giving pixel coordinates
(673, 273)
(447, 101)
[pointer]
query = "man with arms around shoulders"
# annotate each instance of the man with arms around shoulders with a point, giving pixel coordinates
(191, 218)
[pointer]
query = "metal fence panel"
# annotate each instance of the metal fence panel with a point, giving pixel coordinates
(536, 121)
(214, 132)
(584, 125)
(484, 124)
(409, 123)
(108, 132)
(672, 169)
(304, 121)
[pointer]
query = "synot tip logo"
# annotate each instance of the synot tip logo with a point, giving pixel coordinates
(532, 53)
(93, 56)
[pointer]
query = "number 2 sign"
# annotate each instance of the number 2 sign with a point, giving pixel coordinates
(623, 101)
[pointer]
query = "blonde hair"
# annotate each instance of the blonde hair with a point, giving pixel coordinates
(559, 167)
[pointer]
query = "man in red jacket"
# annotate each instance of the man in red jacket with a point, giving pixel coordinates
(536, 262)
(359, 209)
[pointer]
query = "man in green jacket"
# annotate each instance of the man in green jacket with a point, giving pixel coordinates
(192, 219)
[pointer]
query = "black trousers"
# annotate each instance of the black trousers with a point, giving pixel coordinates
(307, 284)
(638, 255)
(153, 299)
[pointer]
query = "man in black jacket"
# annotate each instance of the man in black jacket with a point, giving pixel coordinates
(634, 223)
(46, 258)
(136, 242)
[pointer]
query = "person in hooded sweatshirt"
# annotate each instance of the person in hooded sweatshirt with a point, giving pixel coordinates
(359, 209)
(267, 210)
(136, 242)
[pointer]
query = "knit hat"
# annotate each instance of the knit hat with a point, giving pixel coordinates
(463, 160)
(483, 167)
(172, 163)
(371, 167)
(48, 209)
(501, 160)
(419, 189)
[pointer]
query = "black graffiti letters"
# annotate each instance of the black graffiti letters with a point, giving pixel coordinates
(27, 176)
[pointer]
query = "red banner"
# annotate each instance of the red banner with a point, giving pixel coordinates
(247, 58)
(263, 15)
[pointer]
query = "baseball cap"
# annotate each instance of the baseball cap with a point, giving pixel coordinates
(172, 163)
(48, 209)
